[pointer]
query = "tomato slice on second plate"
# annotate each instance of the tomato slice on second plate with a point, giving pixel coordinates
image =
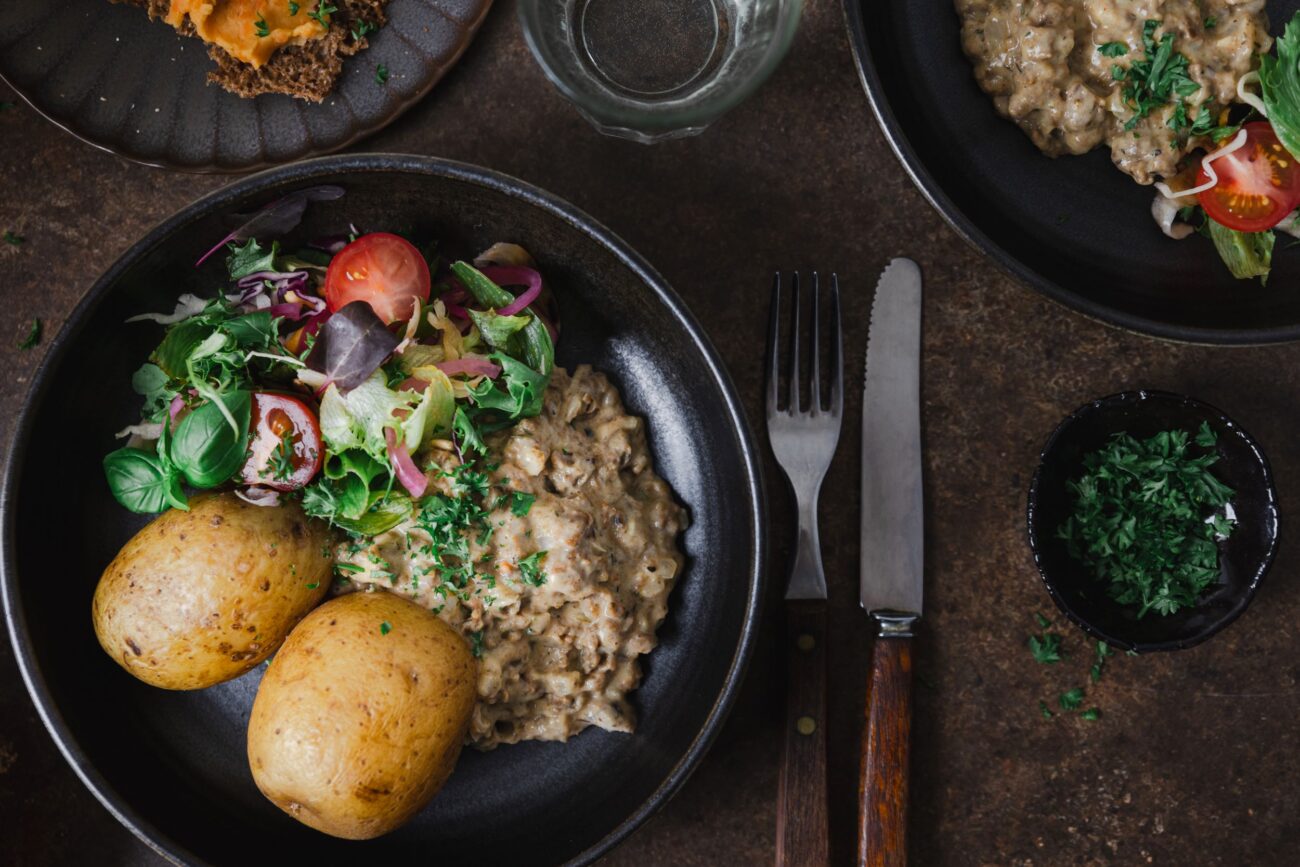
(285, 449)
(384, 270)
(1259, 183)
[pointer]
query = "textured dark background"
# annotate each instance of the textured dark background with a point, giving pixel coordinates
(1194, 759)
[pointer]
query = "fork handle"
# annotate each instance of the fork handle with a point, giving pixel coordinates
(882, 783)
(802, 836)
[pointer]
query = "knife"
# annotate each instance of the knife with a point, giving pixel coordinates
(891, 569)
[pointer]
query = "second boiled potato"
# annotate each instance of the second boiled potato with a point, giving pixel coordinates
(361, 715)
(199, 597)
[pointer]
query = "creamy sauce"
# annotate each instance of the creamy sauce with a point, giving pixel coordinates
(248, 30)
(562, 655)
(1039, 61)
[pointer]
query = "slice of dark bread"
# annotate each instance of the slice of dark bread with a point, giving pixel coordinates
(306, 71)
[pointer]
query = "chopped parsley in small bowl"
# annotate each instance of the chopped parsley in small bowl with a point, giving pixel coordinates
(1152, 519)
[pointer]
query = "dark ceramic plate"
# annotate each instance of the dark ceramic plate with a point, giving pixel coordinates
(107, 74)
(1244, 558)
(1075, 228)
(172, 765)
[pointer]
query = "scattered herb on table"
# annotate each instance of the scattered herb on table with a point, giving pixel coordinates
(1043, 709)
(1092, 713)
(5, 106)
(14, 239)
(1046, 648)
(33, 336)
(1147, 517)
(1043, 622)
(1103, 651)
(381, 74)
(1071, 699)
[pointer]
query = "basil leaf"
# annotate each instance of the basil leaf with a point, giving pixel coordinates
(205, 448)
(141, 481)
(181, 340)
(1247, 254)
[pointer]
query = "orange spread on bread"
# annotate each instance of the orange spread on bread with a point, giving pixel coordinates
(249, 30)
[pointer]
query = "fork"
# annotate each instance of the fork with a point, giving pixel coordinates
(804, 441)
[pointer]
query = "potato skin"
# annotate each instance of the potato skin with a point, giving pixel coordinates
(199, 597)
(354, 728)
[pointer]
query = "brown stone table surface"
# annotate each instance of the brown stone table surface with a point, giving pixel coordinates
(1195, 757)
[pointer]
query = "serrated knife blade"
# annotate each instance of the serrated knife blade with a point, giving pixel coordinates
(892, 505)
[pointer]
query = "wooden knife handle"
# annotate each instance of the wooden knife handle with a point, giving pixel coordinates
(802, 835)
(882, 783)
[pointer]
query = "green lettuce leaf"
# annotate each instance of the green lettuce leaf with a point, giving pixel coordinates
(1247, 254)
(1279, 84)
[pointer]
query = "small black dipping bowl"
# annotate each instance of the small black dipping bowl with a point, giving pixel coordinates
(1245, 556)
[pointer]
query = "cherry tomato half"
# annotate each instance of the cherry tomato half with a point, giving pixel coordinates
(1259, 183)
(385, 271)
(285, 450)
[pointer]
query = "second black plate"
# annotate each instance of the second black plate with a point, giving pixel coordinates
(1075, 228)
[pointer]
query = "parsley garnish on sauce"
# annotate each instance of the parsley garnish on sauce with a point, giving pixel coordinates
(1146, 520)
(530, 569)
(1113, 49)
(1157, 79)
(521, 504)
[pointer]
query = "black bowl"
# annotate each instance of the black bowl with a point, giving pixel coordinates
(1075, 228)
(172, 766)
(1245, 556)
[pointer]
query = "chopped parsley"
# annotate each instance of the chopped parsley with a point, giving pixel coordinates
(5, 106)
(1211, 22)
(1157, 79)
(1112, 49)
(521, 504)
(1146, 519)
(476, 643)
(349, 567)
(293, 8)
(313, 585)
(530, 569)
(360, 29)
(1046, 648)
(33, 335)
(1043, 709)
(1072, 699)
(11, 238)
(381, 74)
(324, 9)
(260, 27)
(385, 628)
(1092, 713)
(282, 467)
(1043, 622)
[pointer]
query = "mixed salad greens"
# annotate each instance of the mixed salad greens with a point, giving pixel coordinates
(1248, 189)
(320, 372)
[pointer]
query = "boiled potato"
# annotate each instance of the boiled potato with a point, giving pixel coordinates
(199, 597)
(361, 715)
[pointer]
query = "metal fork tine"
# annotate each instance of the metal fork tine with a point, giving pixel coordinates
(837, 358)
(774, 345)
(815, 379)
(795, 404)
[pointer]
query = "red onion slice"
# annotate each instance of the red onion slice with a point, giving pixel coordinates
(408, 473)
